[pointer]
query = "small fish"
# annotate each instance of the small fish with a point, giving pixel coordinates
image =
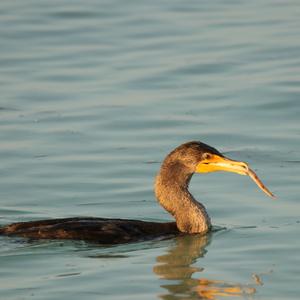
(256, 179)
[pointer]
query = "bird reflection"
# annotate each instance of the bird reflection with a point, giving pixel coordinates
(177, 267)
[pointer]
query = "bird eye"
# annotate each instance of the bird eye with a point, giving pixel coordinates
(206, 156)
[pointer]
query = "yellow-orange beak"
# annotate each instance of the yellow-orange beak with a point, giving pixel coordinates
(218, 163)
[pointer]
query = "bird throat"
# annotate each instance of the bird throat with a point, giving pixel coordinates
(171, 190)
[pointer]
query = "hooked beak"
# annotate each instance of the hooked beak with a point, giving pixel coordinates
(218, 163)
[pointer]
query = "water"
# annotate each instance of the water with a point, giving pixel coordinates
(94, 94)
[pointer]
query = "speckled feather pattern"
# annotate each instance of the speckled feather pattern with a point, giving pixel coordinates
(171, 190)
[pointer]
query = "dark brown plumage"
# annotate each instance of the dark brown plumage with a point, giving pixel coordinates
(99, 230)
(171, 190)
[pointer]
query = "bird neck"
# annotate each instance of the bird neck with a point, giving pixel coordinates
(171, 190)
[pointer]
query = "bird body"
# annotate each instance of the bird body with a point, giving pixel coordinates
(99, 230)
(171, 190)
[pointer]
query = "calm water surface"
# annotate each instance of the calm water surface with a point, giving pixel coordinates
(94, 94)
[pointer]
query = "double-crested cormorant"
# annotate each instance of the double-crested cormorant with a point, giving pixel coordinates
(171, 190)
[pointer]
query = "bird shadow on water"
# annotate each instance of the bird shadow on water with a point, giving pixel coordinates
(181, 277)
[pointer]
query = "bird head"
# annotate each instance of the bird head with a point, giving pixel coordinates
(202, 158)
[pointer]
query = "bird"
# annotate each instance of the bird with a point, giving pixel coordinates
(171, 188)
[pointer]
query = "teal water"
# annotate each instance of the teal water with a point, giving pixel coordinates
(94, 94)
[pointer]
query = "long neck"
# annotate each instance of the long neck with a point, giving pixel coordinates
(171, 190)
